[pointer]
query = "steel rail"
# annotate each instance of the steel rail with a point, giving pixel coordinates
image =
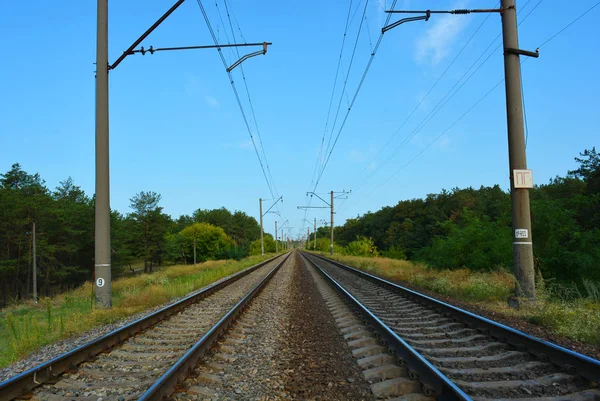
(435, 383)
(28, 380)
(165, 385)
(572, 362)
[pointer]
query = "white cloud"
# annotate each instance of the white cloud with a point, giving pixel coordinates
(436, 43)
(443, 142)
(356, 155)
(212, 101)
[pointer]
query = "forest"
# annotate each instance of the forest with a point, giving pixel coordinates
(64, 227)
(450, 230)
(472, 228)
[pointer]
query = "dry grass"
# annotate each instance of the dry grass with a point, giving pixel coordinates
(27, 327)
(575, 318)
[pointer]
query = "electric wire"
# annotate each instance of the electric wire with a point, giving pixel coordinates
(569, 24)
(250, 102)
(337, 71)
(442, 102)
(237, 96)
(364, 75)
(347, 76)
(389, 141)
(480, 100)
(264, 154)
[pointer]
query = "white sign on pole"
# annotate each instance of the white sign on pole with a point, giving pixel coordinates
(521, 233)
(100, 282)
(522, 178)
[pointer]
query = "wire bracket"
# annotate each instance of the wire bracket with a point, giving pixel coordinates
(521, 52)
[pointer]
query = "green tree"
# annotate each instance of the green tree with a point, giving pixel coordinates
(151, 227)
(207, 241)
(269, 243)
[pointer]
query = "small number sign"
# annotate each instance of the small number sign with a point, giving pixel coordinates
(521, 233)
(100, 282)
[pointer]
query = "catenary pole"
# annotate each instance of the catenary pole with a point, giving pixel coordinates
(276, 243)
(34, 267)
(262, 239)
(102, 263)
(307, 237)
(331, 248)
(315, 234)
(521, 217)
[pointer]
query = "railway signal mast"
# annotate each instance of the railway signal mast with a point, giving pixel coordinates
(520, 177)
(102, 257)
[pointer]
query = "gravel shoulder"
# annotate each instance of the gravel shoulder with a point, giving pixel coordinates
(56, 349)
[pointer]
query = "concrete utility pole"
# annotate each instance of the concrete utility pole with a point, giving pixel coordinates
(331, 248)
(102, 259)
(315, 234)
(194, 249)
(283, 240)
(521, 179)
(519, 190)
(307, 237)
(276, 243)
(262, 239)
(102, 265)
(35, 300)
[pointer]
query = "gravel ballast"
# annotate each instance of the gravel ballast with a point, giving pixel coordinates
(285, 346)
(56, 349)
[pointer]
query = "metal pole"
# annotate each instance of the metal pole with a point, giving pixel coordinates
(521, 218)
(282, 244)
(276, 243)
(194, 249)
(315, 234)
(331, 249)
(307, 237)
(103, 285)
(34, 267)
(262, 240)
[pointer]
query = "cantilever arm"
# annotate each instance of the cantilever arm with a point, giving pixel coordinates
(247, 56)
(403, 20)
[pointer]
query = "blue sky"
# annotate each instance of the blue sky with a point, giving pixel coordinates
(175, 127)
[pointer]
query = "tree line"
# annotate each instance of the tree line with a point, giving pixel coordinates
(64, 219)
(472, 227)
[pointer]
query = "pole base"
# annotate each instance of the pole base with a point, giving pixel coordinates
(520, 302)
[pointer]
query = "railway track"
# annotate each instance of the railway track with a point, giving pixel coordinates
(147, 358)
(455, 354)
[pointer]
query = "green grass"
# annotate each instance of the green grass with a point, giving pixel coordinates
(26, 327)
(563, 310)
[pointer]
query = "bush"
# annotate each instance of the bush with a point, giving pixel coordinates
(362, 246)
(395, 252)
(478, 244)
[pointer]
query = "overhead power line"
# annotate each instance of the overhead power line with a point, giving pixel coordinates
(389, 141)
(337, 71)
(237, 96)
(362, 80)
(459, 84)
(478, 101)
